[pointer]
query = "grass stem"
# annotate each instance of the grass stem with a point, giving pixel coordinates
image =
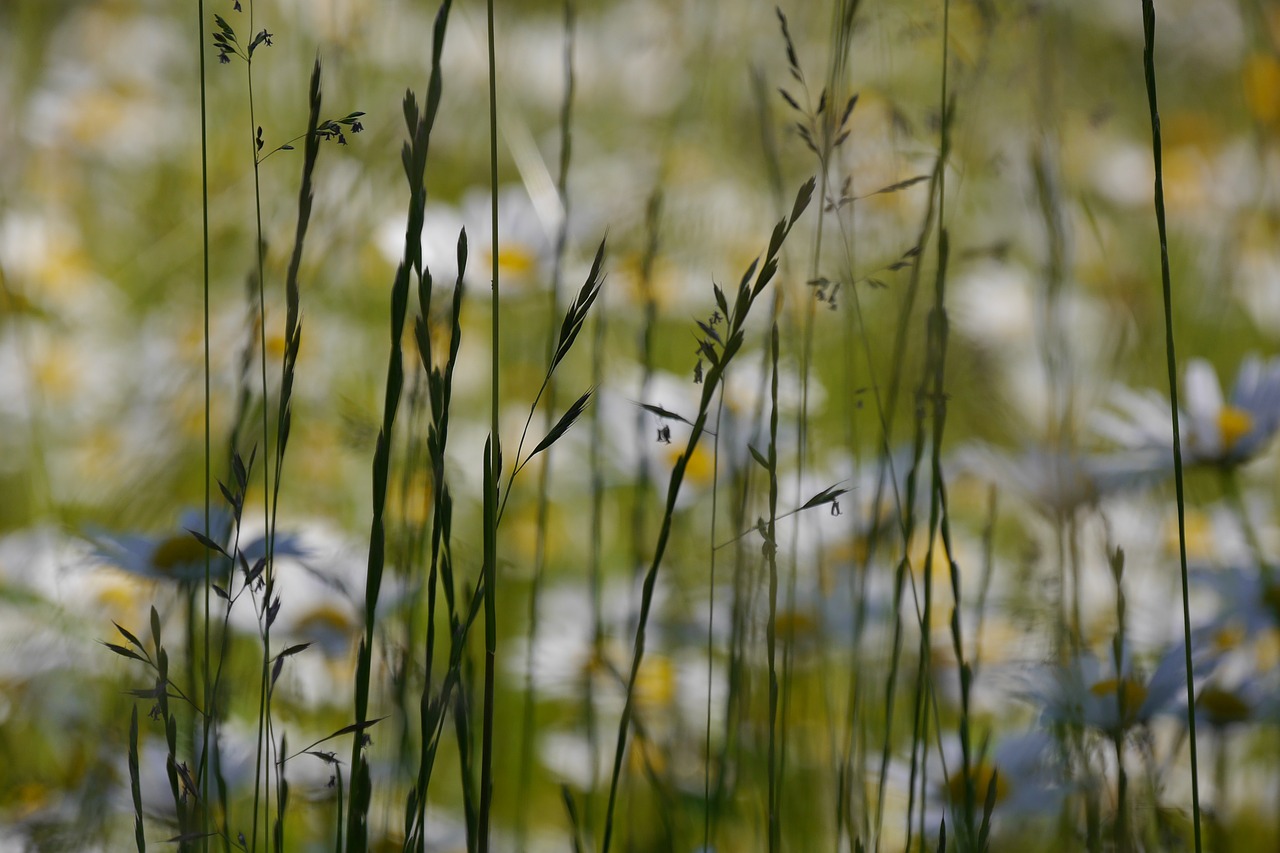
(1149, 67)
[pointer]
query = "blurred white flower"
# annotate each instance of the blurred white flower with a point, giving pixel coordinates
(1058, 482)
(177, 555)
(1087, 692)
(1214, 431)
(1248, 603)
(525, 241)
(1019, 774)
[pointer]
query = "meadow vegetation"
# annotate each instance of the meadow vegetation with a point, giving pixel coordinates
(639, 425)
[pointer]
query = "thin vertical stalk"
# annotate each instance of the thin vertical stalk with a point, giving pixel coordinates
(596, 568)
(264, 674)
(209, 705)
(711, 610)
(135, 784)
(414, 159)
(1149, 67)
(735, 318)
(1122, 699)
(493, 470)
(771, 630)
(544, 475)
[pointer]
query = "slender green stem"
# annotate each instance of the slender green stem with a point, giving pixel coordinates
(208, 435)
(596, 569)
(544, 475)
(269, 574)
(733, 336)
(711, 610)
(771, 631)
(1148, 61)
(494, 471)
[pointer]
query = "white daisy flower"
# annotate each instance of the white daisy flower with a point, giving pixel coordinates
(1086, 692)
(177, 555)
(1214, 431)
(1058, 482)
(1248, 604)
(1022, 771)
(525, 241)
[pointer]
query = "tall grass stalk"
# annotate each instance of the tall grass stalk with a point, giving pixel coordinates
(806, 304)
(255, 146)
(711, 610)
(1149, 67)
(492, 468)
(757, 277)
(771, 630)
(933, 387)
(595, 573)
(135, 784)
(284, 418)
(818, 126)
(207, 694)
(411, 541)
(935, 362)
(414, 159)
(886, 480)
(1117, 656)
(440, 392)
(440, 572)
(544, 475)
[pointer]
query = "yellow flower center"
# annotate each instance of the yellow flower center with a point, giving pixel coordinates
(329, 627)
(1261, 83)
(1199, 535)
(982, 778)
(1129, 692)
(1233, 425)
(656, 682)
(515, 260)
(325, 618)
(796, 624)
(1222, 707)
(413, 503)
(119, 594)
(57, 375)
(1267, 650)
(177, 552)
(30, 798)
(12, 302)
(700, 468)
(645, 754)
(1228, 637)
